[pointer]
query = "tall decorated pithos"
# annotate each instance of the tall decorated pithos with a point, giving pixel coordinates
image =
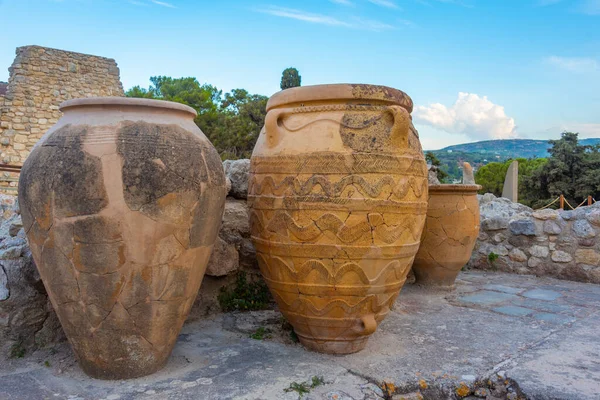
(338, 196)
(122, 201)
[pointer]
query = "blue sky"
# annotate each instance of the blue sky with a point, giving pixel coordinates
(476, 69)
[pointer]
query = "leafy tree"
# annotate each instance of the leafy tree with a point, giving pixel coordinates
(231, 122)
(491, 177)
(140, 92)
(572, 170)
(241, 117)
(290, 78)
(433, 160)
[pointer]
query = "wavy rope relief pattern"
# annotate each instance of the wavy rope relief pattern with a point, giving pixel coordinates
(399, 189)
(284, 222)
(309, 266)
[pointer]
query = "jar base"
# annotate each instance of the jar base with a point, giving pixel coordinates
(125, 370)
(334, 346)
(435, 277)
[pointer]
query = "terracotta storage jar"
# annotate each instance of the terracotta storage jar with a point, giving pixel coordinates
(451, 229)
(122, 201)
(338, 196)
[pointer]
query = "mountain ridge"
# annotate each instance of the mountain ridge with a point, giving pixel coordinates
(513, 148)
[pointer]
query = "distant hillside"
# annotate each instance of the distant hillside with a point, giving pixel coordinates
(509, 148)
(482, 153)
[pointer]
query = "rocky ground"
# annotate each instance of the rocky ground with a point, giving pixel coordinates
(497, 336)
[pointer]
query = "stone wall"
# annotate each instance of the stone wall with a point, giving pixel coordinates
(41, 79)
(27, 319)
(515, 238)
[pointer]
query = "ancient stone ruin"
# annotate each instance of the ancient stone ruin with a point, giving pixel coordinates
(558, 243)
(487, 338)
(40, 79)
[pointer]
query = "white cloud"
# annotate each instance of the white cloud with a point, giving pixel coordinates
(352, 23)
(163, 3)
(304, 16)
(370, 25)
(137, 3)
(384, 3)
(342, 2)
(580, 65)
(471, 115)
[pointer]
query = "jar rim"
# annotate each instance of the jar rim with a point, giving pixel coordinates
(342, 91)
(126, 101)
(451, 188)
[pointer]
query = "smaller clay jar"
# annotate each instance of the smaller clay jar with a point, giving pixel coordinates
(450, 232)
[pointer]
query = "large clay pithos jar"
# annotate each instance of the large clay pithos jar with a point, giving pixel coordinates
(121, 201)
(338, 196)
(451, 229)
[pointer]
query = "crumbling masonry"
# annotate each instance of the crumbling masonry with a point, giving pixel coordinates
(40, 79)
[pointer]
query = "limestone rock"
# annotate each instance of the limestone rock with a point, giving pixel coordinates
(587, 256)
(534, 262)
(495, 223)
(582, 229)
(432, 175)
(237, 171)
(468, 177)
(500, 207)
(552, 228)
(517, 255)
(223, 260)
(561, 256)
(522, 227)
(4, 289)
(539, 251)
(594, 217)
(486, 198)
(235, 219)
(545, 214)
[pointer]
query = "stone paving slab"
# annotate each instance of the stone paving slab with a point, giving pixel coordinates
(433, 344)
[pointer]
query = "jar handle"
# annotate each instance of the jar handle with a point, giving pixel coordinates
(369, 324)
(273, 127)
(401, 126)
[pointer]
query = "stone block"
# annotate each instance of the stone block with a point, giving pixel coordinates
(594, 217)
(495, 223)
(487, 297)
(517, 255)
(587, 256)
(553, 318)
(545, 214)
(503, 289)
(561, 256)
(514, 311)
(534, 262)
(522, 227)
(552, 227)
(223, 260)
(539, 251)
(582, 229)
(542, 294)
